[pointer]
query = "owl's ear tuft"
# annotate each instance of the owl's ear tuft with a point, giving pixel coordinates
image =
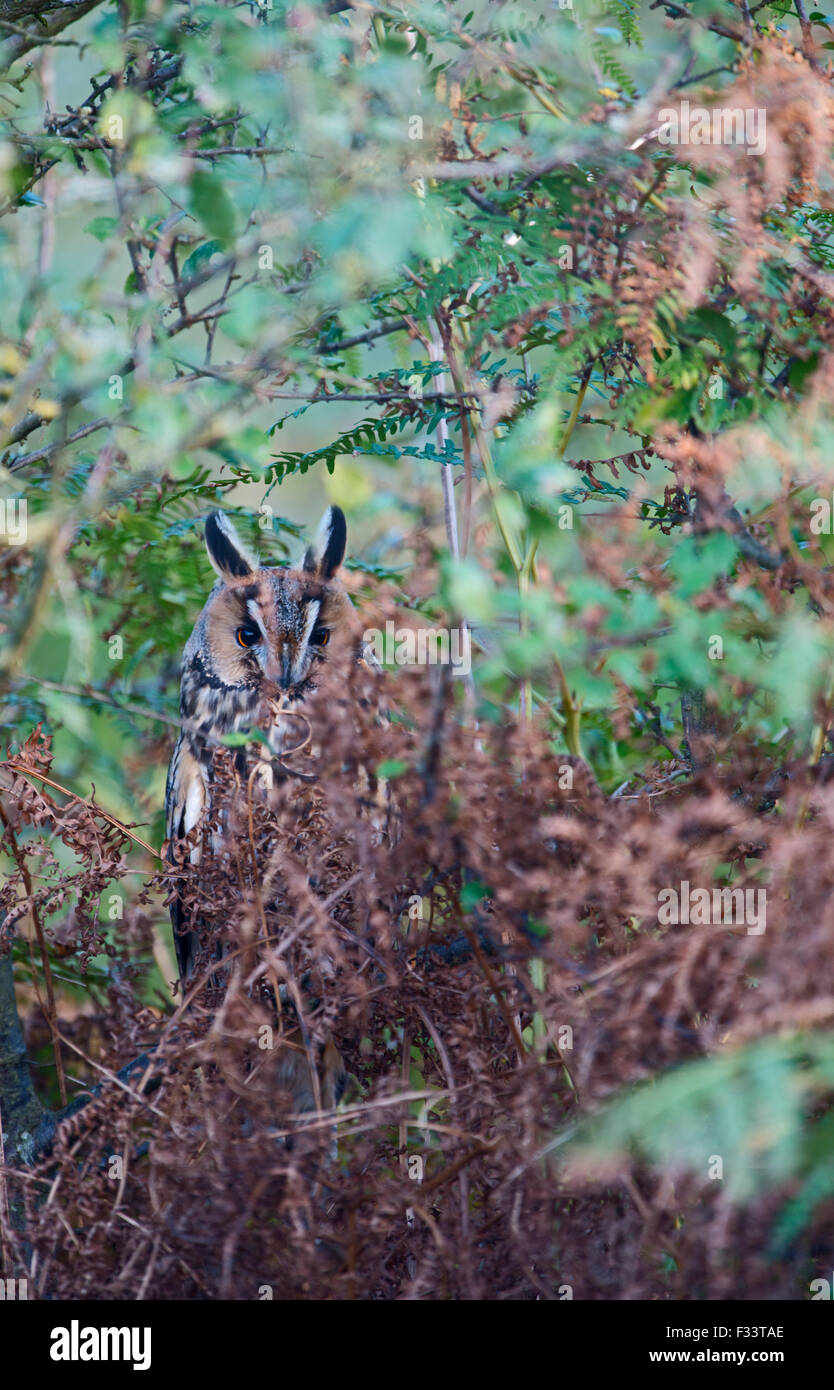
(327, 552)
(226, 550)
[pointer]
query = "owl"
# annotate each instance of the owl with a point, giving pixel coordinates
(256, 649)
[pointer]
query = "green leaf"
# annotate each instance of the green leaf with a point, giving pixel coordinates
(717, 326)
(102, 227)
(200, 258)
(212, 204)
(698, 561)
(240, 738)
(473, 893)
(391, 767)
(800, 371)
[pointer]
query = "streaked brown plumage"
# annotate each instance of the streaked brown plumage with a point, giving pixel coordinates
(257, 643)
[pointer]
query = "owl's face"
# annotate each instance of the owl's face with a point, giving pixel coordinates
(263, 630)
(272, 627)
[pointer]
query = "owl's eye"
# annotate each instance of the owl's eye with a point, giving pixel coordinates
(248, 636)
(320, 636)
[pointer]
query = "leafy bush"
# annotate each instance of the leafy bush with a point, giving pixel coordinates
(468, 270)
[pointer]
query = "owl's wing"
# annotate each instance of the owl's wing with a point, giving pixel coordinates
(185, 800)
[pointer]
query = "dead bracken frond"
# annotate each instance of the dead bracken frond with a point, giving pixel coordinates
(480, 935)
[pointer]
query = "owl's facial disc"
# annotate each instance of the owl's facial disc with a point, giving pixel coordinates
(288, 615)
(267, 628)
(271, 628)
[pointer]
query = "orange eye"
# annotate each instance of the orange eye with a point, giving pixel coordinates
(320, 636)
(248, 636)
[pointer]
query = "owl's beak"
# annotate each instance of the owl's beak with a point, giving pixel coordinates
(279, 671)
(286, 679)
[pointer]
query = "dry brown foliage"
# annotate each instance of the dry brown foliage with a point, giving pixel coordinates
(219, 1192)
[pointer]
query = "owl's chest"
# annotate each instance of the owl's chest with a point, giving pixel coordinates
(214, 709)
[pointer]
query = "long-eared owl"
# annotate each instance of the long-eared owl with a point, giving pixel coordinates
(256, 647)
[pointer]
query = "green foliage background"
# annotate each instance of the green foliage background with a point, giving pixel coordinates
(224, 228)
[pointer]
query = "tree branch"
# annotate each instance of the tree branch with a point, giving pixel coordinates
(49, 20)
(378, 331)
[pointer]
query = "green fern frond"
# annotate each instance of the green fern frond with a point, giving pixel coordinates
(627, 17)
(751, 1109)
(611, 66)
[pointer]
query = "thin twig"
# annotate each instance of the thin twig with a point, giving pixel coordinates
(94, 810)
(50, 1012)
